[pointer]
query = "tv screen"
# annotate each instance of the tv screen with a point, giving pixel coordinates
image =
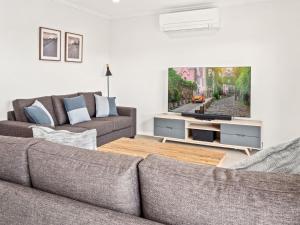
(213, 90)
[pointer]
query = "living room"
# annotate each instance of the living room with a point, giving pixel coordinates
(126, 51)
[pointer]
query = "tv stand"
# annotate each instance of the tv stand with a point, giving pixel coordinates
(239, 134)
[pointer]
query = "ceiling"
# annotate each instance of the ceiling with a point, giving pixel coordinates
(132, 8)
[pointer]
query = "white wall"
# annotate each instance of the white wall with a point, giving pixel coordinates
(22, 75)
(262, 35)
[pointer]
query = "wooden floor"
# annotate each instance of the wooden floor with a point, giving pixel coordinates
(144, 147)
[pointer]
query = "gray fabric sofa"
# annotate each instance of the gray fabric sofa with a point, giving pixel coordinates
(45, 183)
(108, 129)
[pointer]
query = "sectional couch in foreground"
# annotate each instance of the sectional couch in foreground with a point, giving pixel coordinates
(46, 183)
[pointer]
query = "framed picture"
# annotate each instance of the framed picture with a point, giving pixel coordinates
(73, 47)
(50, 44)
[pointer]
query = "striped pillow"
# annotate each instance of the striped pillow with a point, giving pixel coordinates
(38, 114)
(76, 110)
(105, 106)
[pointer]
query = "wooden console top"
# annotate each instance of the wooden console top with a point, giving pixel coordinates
(243, 122)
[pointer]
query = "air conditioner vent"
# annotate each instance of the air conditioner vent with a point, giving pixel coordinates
(204, 19)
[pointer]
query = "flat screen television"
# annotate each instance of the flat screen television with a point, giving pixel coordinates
(212, 90)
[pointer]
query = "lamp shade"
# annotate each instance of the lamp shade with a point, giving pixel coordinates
(108, 73)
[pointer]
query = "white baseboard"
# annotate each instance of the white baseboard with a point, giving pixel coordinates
(145, 133)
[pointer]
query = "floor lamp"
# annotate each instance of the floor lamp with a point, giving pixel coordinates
(108, 74)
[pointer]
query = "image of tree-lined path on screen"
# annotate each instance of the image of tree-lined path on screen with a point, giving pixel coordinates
(218, 90)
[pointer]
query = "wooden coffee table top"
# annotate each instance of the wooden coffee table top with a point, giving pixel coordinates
(142, 148)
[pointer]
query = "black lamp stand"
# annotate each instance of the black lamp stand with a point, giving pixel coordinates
(108, 74)
(108, 86)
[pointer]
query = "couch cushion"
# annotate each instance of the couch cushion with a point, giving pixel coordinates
(102, 127)
(178, 193)
(13, 159)
(119, 122)
(20, 104)
(27, 206)
(90, 101)
(59, 108)
(105, 180)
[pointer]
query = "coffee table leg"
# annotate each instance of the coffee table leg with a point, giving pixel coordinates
(164, 140)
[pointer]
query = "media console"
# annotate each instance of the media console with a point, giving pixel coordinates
(240, 134)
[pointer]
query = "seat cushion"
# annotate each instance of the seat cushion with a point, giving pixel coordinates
(102, 127)
(20, 104)
(179, 193)
(119, 122)
(102, 179)
(27, 206)
(13, 159)
(90, 101)
(59, 108)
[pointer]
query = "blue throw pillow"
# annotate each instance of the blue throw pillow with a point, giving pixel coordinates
(38, 114)
(77, 110)
(105, 106)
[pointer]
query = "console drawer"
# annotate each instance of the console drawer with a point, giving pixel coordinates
(241, 130)
(240, 140)
(171, 124)
(169, 132)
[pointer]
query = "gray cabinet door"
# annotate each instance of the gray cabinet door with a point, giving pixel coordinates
(241, 130)
(240, 140)
(246, 136)
(169, 128)
(169, 132)
(169, 123)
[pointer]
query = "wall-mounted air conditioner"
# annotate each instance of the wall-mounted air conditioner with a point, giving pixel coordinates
(204, 19)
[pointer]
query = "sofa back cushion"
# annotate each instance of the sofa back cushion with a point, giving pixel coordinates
(13, 159)
(20, 104)
(178, 193)
(90, 101)
(102, 179)
(27, 206)
(59, 108)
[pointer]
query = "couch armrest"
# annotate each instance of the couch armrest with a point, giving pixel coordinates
(131, 112)
(126, 111)
(15, 129)
(11, 116)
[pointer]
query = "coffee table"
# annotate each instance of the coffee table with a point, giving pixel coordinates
(143, 148)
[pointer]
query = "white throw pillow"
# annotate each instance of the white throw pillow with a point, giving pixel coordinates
(85, 140)
(105, 106)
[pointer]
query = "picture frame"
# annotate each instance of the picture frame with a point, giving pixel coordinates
(73, 47)
(49, 44)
